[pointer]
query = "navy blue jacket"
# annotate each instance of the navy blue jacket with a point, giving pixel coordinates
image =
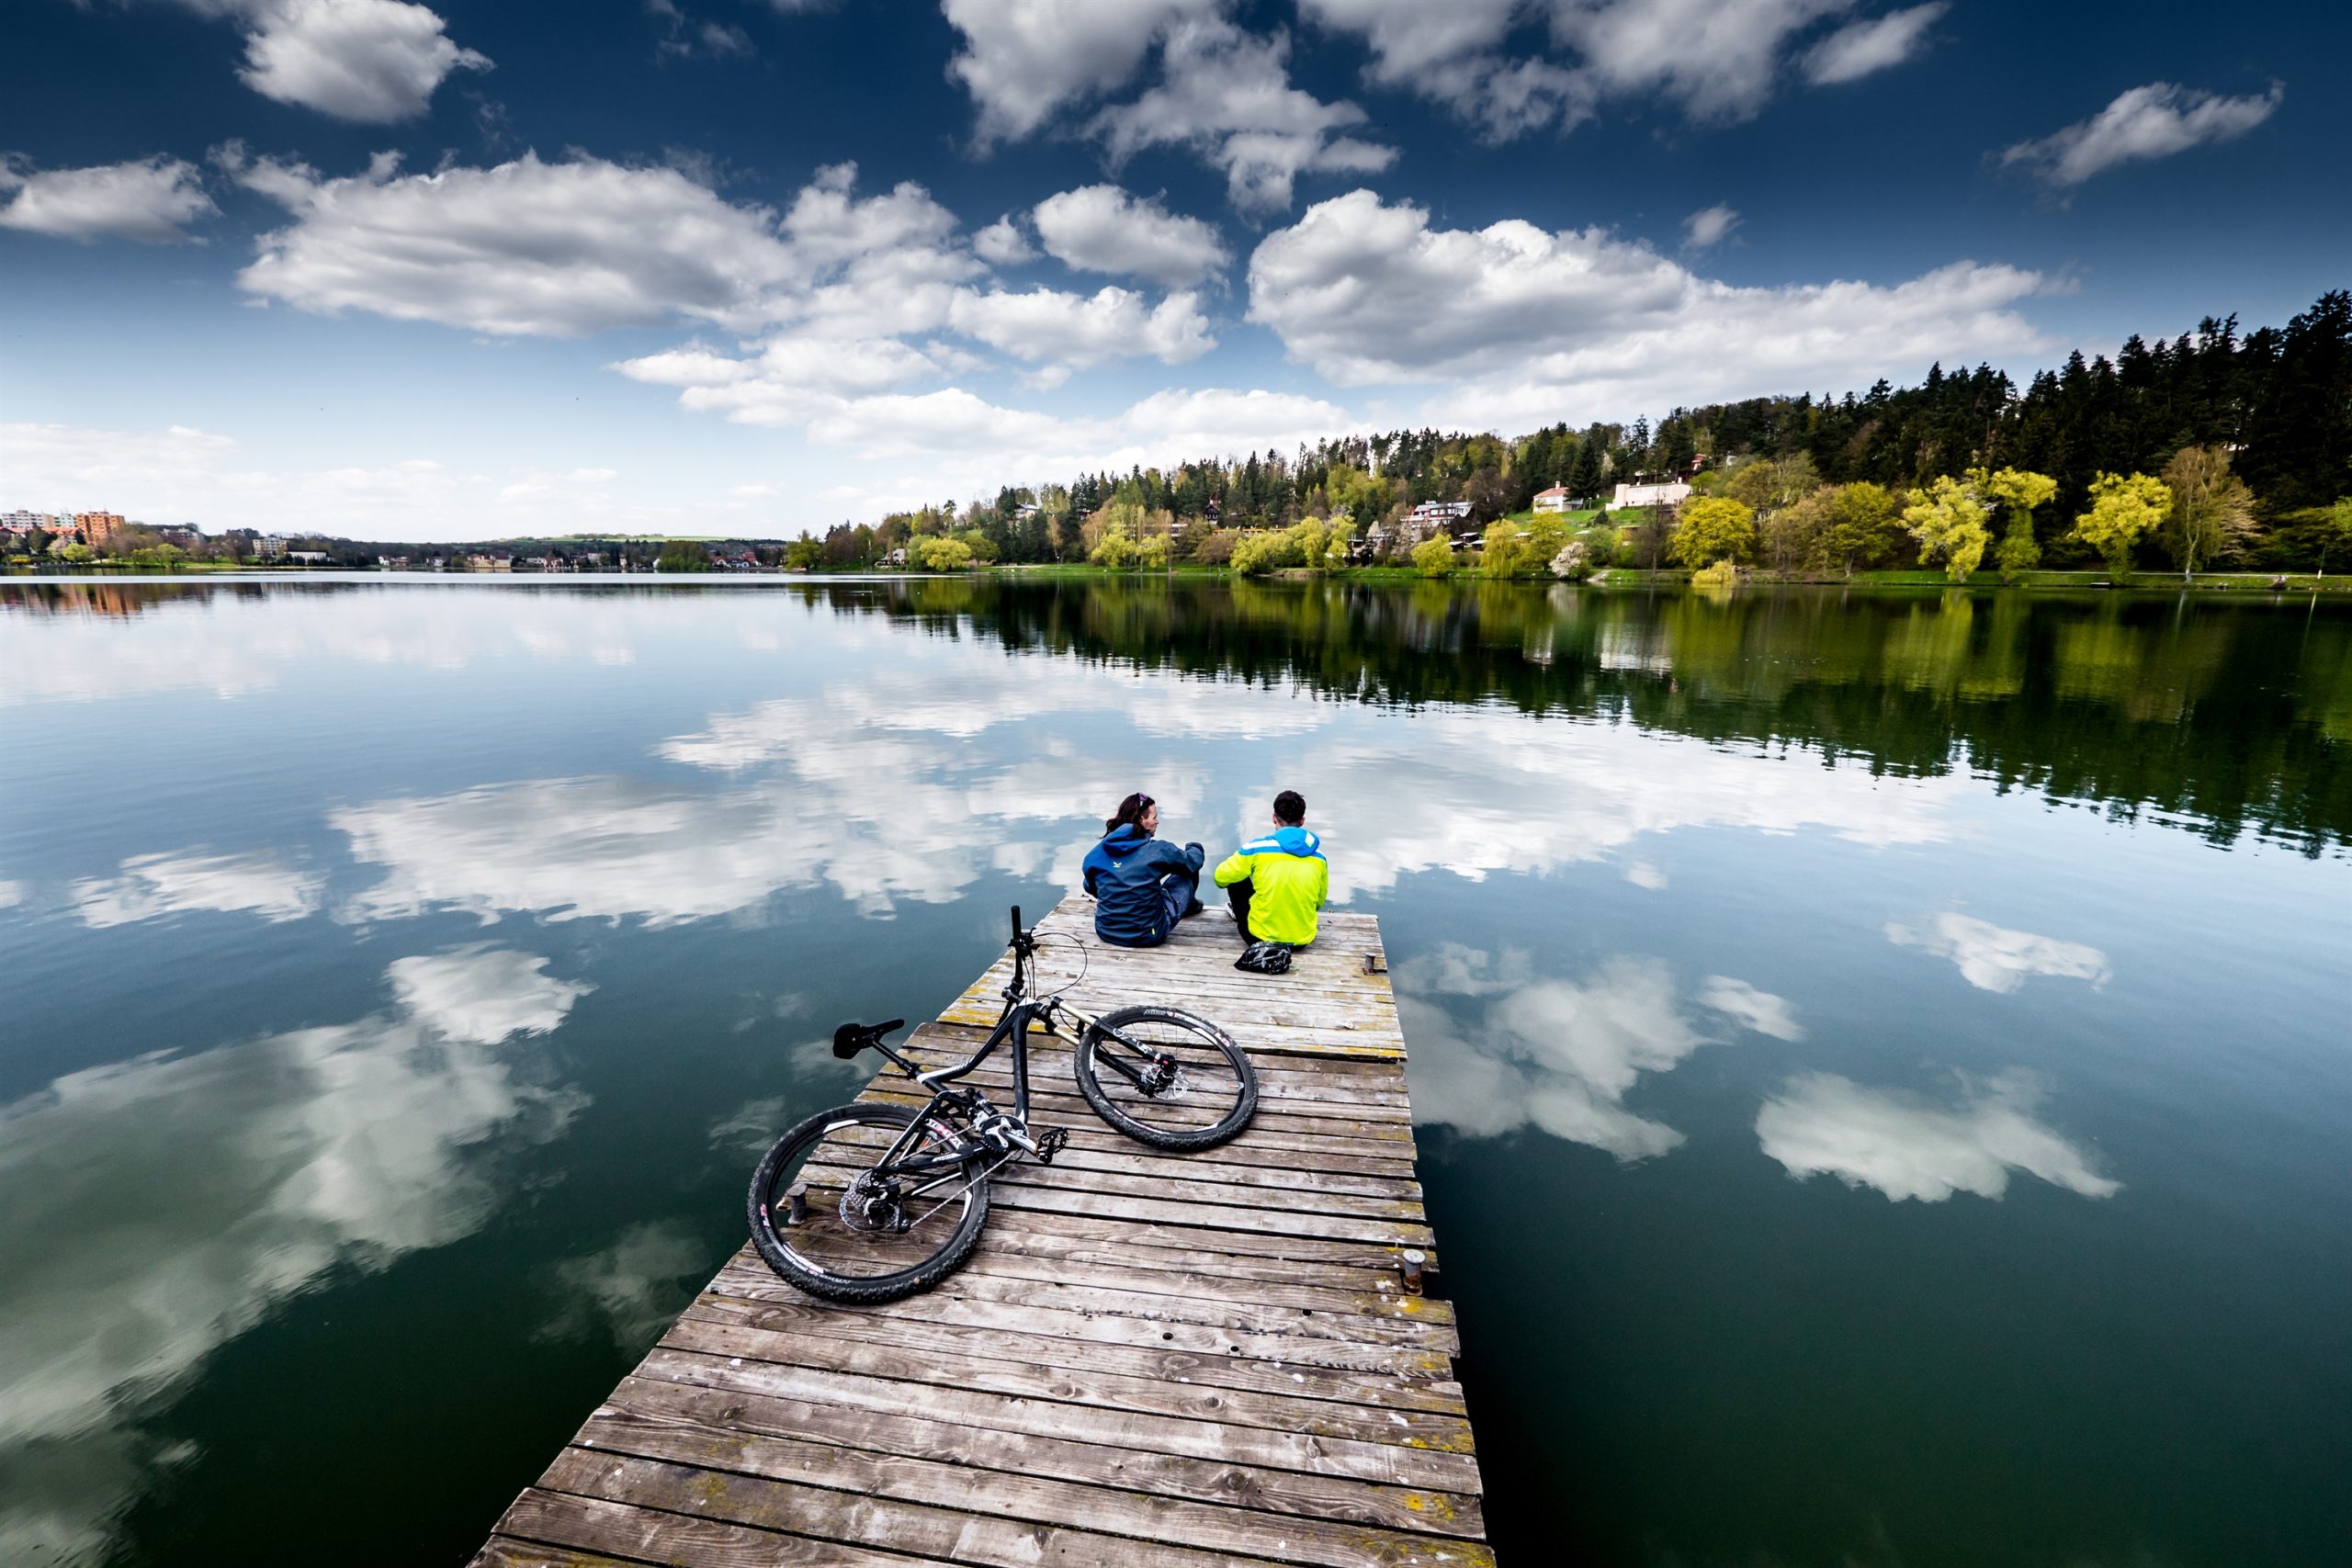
(1124, 873)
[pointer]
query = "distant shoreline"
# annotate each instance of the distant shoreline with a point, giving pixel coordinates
(1615, 579)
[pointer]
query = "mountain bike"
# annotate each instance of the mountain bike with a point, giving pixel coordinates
(871, 1202)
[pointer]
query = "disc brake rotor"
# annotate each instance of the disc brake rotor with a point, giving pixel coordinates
(868, 1205)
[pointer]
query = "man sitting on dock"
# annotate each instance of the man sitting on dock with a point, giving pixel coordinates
(1278, 881)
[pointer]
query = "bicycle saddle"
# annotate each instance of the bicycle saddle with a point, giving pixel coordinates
(852, 1038)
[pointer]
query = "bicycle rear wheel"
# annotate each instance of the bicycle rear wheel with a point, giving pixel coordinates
(1187, 1085)
(864, 1235)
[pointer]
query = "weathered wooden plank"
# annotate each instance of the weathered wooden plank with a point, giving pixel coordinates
(1088, 1385)
(794, 1508)
(1092, 1426)
(1368, 1319)
(1153, 1532)
(1429, 1361)
(648, 1535)
(1168, 1383)
(1377, 1254)
(501, 1553)
(804, 1321)
(1214, 1478)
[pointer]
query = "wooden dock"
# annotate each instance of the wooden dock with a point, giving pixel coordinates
(1157, 1361)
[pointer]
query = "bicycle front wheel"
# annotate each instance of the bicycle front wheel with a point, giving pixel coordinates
(1166, 1078)
(864, 1230)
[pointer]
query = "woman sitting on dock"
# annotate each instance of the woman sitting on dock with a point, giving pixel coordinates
(1142, 885)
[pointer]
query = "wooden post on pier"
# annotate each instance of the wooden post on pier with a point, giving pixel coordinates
(1153, 1361)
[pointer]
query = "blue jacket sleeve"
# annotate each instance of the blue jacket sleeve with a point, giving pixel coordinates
(1166, 857)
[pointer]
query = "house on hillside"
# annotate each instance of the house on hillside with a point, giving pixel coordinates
(1553, 499)
(1671, 492)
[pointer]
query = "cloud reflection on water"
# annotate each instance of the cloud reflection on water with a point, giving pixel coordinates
(1560, 1055)
(1475, 791)
(157, 1208)
(629, 1292)
(1908, 1146)
(1995, 958)
(149, 886)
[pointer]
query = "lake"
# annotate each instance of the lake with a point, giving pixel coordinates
(1881, 1059)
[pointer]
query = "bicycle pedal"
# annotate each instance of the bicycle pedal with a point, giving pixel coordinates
(1051, 1141)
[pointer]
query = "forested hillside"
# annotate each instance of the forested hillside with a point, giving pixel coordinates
(2274, 403)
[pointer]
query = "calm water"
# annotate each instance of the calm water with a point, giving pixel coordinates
(1883, 1060)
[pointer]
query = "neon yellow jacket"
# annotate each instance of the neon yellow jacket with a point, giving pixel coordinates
(1288, 882)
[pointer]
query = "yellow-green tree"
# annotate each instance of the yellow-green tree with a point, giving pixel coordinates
(2021, 492)
(1949, 521)
(1505, 553)
(1716, 528)
(2123, 508)
(1433, 557)
(1865, 525)
(938, 552)
(2212, 511)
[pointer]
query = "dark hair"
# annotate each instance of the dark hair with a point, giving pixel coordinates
(1130, 813)
(1290, 808)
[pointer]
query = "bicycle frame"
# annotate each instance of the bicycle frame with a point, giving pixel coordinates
(1002, 1135)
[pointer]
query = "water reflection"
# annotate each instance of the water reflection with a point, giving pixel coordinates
(1908, 1146)
(627, 1293)
(1478, 793)
(159, 1207)
(1995, 958)
(2217, 714)
(107, 642)
(150, 887)
(1560, 1055)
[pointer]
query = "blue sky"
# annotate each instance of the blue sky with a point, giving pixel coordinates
(401, 271)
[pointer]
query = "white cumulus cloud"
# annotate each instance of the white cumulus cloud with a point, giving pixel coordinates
(1226, 94)
(148, 199)
(1024, 59)
(1908, 1146)
(375, 61)
(1709, 226)
(1101, 228)
(1716, 62)
(1002, 243)
(1451, 54)
(1719, 62)
(1528, 322)
(2153, 121)
(525, 247)
(1067, 331)
(1860, 48)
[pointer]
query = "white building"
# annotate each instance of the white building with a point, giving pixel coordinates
(1441, 511)
(1673, 494)
(1553, 499)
